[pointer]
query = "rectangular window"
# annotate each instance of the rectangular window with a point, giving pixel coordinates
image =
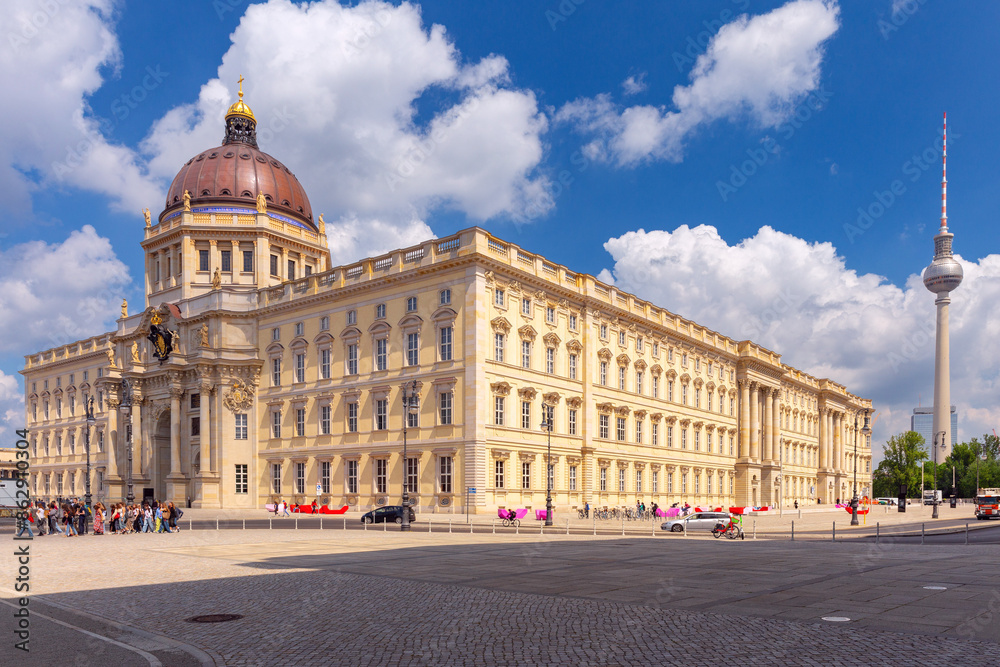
(697, 483)
(550, 315)
(498, 345)
(300, 367)
(638, 481)
(656, 349)
(525, 414)
(621, 480)
(444, 407)
(352, 359)
(412, 418)
(708, 397)
(604, 374)
(731, 439)
(684, 359)
(604, 479)
(684, 394)
(380, 311)
(684, 438)
(444, 343)
(300, 422)
(638, 344)
(620, 431)
(274, 265)
(622, 338)
(498, 480)
(697, 441)
(412, 349)
(324, 363)
(550, 360)
(638, 431)
(656, 386)
(300, 329)
(203, 264)
(670, 436)
(621, 378)
(324, 419)
(227, 260)
(572, 366)
(572, 322)
(445, 474)
(638, 382)
(381, 468)
(526, 307)
(656, 482)
(670, 390)
(697, 398)
(241, 427)
(732, 407)
(275, 478)
(572, 478)
(352, 317)
(324, 476)
(525, 354)
(411, 304)
(308, 270)
(381, 414)
(276, 333)
(291, 270)
(242, 478)
(572, 422)
(684, 482)
(276, 372)
(381, 357)
(351, 470)
(444, 297)
(498, 409)
(602, 429)
(276, 424)
(604, 331)
(412, 473)
(525, 475)
(498, 296)
(670, 482)
(352, 417)
(300, 477)
(324, 323)
(247, 261)
(654, 434)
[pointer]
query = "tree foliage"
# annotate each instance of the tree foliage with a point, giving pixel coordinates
(906, 462)
(900, 465)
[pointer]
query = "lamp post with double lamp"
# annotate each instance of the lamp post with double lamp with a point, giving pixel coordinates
(126, 408)
(410, 407)
(547, 426)
(865, 430)
(89, 409)
(940, 435)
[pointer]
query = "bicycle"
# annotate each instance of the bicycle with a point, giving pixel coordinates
(732, 531)
(511, 523)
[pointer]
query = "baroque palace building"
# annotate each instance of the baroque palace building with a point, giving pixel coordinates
(286, 376)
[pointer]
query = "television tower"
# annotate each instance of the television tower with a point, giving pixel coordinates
(942, 276)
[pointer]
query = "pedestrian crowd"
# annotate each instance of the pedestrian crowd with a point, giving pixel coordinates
(70, 518)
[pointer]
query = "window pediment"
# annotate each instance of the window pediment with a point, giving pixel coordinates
(574, 346)
(604, 354)
(574, 401)
(527, 332)
(640, 364)
(380, 327)
(500, 325)
(528, 393)
(444, 315)
(323, 339)
(551, 398)
(605, 408)
(656, 369)
(551, 339)
(275, 349)
(298, 343)
(351, 335)
(623, 360)
(411, 323)
(622, 410)
(500, 388)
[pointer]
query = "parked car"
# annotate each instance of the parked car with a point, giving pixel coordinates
(697, 521)
(392, 513)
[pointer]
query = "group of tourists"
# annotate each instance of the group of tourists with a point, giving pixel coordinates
(70, 518)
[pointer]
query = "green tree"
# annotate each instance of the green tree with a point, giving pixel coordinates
(900, 465)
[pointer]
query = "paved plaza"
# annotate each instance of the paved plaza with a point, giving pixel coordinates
(378, 597)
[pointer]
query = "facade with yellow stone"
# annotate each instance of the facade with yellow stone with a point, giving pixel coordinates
(286, 376)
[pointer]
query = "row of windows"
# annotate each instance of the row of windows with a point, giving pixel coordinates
(72, 380)
(500, 480)
(380, 416)
(54, 446)
(379, 478)
(59, 484)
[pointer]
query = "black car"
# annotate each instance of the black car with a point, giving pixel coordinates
(392, 513)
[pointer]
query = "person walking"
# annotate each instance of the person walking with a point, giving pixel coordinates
(81, 518)
(283, 508)
(55, 516)
(586, 510)
(68, 519)
(99, 519)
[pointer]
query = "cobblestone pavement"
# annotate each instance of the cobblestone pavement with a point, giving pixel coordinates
(392, 599)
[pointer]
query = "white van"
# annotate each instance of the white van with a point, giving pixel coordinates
(886, 501)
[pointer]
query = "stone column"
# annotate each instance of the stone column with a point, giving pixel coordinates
(754, 421)
(768, 424)
(112, 437)
(775, 426)
(824, 445)
(205, 426)
(237, 264)
(838, 441)
(136, 433)
(744, 418)
(175, 430)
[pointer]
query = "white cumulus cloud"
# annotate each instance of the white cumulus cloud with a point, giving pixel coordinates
(51, 58)
(760, 67)
(802, 301)
(11, 408)
(337, 93)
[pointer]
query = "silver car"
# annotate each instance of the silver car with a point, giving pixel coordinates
(697, 521)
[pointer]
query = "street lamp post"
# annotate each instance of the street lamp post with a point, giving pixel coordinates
(547, 425)
(410, 407)
(865, 430)
(941, 435)
(89, 410)
(126, 408)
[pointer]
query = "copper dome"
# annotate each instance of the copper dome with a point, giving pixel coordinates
(233, 174)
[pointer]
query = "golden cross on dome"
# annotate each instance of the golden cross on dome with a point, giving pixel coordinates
(240, 81)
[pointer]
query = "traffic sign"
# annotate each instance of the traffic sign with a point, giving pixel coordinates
(319, 488)
(472, 489)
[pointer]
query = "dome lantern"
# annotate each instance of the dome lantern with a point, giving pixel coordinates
(241, 125)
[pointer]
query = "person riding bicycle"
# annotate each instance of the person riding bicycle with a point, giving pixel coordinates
(511, 514)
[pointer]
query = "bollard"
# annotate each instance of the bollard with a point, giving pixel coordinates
(365, 524)
(876, 532)
(345, 523)
(296, 523)
(449, 525)
(800, 513)
(541, 528)
(190, 525)
(244, 524)
(755, 528)
(384, 527)
(685, 524)
(921, 533)
(216, 523)
(517, 528)
(793, 530)
(966, 533)
(595, 524)
(470, 528)
(494, 526)
(567, 526)
(429, 522)
(623, 524)
(321, 523)
(653, 526)
(269, 526)
(834, 531)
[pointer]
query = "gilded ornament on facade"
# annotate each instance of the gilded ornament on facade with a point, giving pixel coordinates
(187, 200)
(204, 335)
(217, 279)
(239, 398)
(124, 308)
(261, 203)
(146, 215)
(135, 351)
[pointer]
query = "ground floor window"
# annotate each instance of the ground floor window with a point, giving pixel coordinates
(572, 478)
(324, 476)
(621, 480)
(656, 482)
(604, 479)
(276, 478)
(241, 427)
(498, 475)
(242, 478)
(412, 474)
(445, 472)
(351, 472)
(300, 477)
(381, 468)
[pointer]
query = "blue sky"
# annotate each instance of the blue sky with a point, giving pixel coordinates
(803, 113)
